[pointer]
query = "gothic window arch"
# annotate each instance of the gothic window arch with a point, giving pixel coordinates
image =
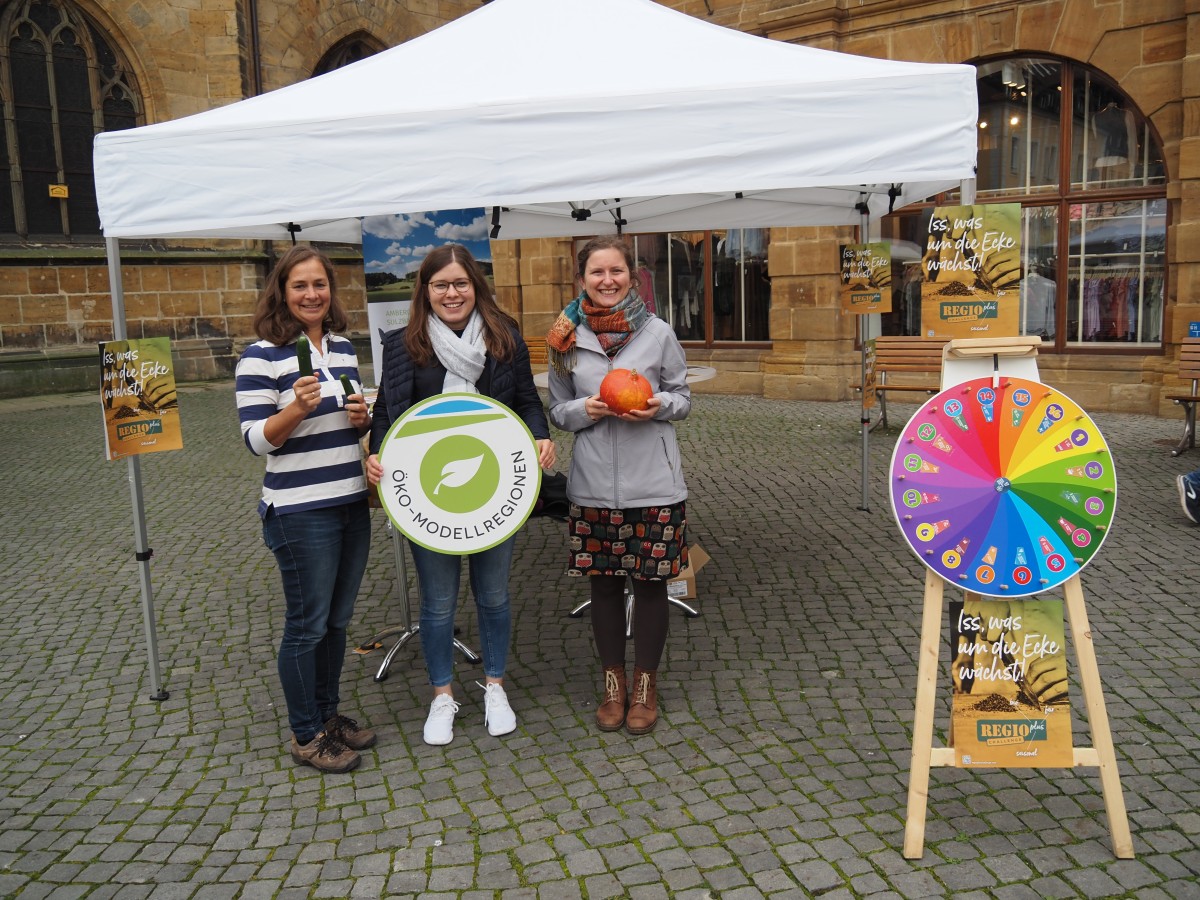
(61, 83)
(348, 50)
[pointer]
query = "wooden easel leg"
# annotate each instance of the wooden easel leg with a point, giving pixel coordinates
(1093, 696)
(922, 749)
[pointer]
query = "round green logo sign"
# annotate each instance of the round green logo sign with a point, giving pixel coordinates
(460, 473)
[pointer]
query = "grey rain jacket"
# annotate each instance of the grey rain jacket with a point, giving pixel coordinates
(617, 464)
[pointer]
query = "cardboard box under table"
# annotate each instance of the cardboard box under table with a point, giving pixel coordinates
(683, 587)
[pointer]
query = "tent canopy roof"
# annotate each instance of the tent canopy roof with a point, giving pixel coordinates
(542, 107)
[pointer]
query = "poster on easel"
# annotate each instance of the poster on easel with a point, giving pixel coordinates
(1010, 705)
(866, 283)
(138, 397)
(972, 272)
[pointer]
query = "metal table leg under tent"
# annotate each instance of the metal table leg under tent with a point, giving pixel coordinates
(688, 611)
(407, 627)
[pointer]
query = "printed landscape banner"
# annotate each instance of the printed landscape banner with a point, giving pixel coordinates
(393, 248)
(972, 272)
(137, 397)
(1009, 670)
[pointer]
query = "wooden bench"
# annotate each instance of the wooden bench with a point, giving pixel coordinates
(906, 364)
(538, 354)
(1189, 370)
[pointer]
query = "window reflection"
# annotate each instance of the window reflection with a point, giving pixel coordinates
(908, 244)
(1019, 104)
(690, 278)
(1103, 193)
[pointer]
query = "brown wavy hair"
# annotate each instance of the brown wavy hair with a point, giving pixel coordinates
(497, 324)
(273, 321)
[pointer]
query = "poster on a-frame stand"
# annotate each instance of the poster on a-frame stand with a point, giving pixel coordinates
(1005, 488)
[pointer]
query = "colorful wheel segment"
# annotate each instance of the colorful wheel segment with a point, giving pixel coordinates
(1003, 486)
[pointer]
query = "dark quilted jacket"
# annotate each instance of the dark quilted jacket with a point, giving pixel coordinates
(511, 383)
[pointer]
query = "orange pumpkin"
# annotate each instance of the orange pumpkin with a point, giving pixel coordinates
(623, 390)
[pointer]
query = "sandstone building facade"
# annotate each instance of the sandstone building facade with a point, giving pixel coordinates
(1089, 118)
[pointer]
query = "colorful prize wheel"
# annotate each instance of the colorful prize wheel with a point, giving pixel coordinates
(1004, 489)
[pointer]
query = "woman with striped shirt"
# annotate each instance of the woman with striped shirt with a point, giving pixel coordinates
(314, 497)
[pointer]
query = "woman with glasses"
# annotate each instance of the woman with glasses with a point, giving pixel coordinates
(459, 340)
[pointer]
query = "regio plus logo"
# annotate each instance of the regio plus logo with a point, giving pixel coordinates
(460, 473)
(1010, 731)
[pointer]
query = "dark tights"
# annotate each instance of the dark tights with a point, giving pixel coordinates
(650, 616)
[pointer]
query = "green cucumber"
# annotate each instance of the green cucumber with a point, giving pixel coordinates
(346, 385)
(303, 356)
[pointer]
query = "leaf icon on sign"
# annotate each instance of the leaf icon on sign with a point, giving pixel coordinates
(458, 472)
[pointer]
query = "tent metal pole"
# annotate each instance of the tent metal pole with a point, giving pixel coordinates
(142, 551)
(864, 333)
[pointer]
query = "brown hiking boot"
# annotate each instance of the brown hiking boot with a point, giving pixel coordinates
(325, 753)
(610, 714)
(350, 733)
(643, 703)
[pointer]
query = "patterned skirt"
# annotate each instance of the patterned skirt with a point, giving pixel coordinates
(649, 543)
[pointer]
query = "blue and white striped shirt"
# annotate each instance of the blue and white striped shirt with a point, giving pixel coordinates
(320, 464)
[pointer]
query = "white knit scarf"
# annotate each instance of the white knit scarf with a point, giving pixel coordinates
(464, 357)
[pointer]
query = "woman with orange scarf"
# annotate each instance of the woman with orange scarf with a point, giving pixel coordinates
(628, 517)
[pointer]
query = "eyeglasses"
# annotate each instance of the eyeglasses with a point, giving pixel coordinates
(440, 287)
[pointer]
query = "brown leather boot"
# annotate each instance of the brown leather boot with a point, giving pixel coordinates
(643, 703)
(610, 714)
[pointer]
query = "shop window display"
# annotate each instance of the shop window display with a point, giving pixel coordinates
(1088, 170)
(1116, 271)
(711, 286)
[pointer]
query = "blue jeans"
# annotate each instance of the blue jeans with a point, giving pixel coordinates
(439, 576)
(322, 554)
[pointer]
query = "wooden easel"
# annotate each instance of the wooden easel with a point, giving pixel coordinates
(963, 360)
(925, 756)
(967, 358)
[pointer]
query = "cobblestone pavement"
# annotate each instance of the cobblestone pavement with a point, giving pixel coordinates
(779, 768)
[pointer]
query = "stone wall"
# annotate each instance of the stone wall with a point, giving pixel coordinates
(55, 314)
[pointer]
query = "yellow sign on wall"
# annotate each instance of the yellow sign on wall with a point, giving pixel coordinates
(866, 278)
(972, 272)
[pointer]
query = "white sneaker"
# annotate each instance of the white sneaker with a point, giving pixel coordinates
(497, 714)
(439, 725)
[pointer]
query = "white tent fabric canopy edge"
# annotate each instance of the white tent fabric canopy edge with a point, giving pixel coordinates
(516, 129)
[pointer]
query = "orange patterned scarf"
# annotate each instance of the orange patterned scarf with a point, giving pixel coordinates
(613, 326)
